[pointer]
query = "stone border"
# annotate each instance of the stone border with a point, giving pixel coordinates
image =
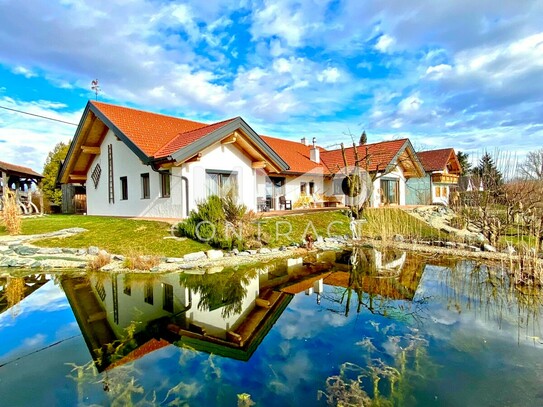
(18, 252)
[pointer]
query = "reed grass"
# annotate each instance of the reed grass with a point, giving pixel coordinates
(11, 216)
(385, 223)
(99, 261)
(138, 261)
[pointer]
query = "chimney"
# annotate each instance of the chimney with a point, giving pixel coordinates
(314, 152)
(304, 141)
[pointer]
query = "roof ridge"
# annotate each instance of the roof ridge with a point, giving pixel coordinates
(175, 139)
(18, 166)
(437, 149)
(368, 144)
(97, 104)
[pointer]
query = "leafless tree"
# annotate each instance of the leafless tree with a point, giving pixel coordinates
(532, 167)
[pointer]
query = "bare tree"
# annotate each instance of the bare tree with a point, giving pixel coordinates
(532, 167)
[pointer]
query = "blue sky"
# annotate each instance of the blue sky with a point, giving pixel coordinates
(464, 74)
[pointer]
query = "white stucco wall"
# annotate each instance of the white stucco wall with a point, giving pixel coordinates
(397, 173)
(127, 164)
(133, 308)
(221, 158)
(375, 200)
(213, 322)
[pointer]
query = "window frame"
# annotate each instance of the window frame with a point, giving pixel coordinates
(124, 188)
(165, 184)
(221, 174)
(145, 180)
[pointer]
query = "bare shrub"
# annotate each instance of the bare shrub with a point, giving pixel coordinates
(138, 261)
(11, 215)
(99, 261)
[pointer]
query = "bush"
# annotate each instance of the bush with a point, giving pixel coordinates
(136, 261)
(99, 261)
(221, 222)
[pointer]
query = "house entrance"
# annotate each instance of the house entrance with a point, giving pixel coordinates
(275, 187)
(390, 191)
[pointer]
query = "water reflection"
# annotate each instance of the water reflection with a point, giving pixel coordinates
(382, 321)
(225, 312)
(374, 278)
(14, 289)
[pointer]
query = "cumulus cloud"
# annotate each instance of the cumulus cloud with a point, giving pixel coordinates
(384, 43)
(28, 139)
(426, 70)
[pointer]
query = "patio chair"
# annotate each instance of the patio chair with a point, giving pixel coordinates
(285, 203)
(261, 204)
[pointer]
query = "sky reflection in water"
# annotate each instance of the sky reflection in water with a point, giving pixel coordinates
(441, 332)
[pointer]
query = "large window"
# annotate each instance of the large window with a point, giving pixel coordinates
(221, 182)
(338, 186)
(165, 177)
(124, 188)
(145, 186)
(390, 191)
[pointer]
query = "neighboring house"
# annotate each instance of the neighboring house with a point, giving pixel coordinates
(21, 180)
(143, 164)
(442, 170)
(320, 173)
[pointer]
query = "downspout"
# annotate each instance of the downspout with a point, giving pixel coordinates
(183, 178)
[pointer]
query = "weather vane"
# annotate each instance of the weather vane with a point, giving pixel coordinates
(95, 87)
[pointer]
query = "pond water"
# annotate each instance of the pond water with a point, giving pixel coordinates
(348, 327)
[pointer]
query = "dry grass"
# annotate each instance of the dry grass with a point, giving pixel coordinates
(526, 268)
(138, 261)
(99, 261)
(385, 223)
(11, 217)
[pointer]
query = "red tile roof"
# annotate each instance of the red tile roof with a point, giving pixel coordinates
(435, 160)
(7, 167)
(295, 154)
(184, 139)
(149, 131)
(380, 155)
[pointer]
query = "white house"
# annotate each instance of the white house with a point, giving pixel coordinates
(142, 164)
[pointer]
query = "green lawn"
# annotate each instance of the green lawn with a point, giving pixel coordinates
(116, 235)
(129, 236)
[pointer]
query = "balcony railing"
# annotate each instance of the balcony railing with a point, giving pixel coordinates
(445, 179)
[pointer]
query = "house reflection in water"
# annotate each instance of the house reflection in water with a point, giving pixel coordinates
(224, 312)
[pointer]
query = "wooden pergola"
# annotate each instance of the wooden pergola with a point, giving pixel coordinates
(19, 180)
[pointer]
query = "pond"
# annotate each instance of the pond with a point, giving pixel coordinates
(356, 327)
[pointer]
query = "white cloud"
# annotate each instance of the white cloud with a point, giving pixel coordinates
(29, 139)
(384, 43)
(275, 19)
(410, 104)
(438, 71)
(21, 70)
(329, 75)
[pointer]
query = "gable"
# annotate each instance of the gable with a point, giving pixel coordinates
(439, 160)
(155, 139)
(377, 157)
